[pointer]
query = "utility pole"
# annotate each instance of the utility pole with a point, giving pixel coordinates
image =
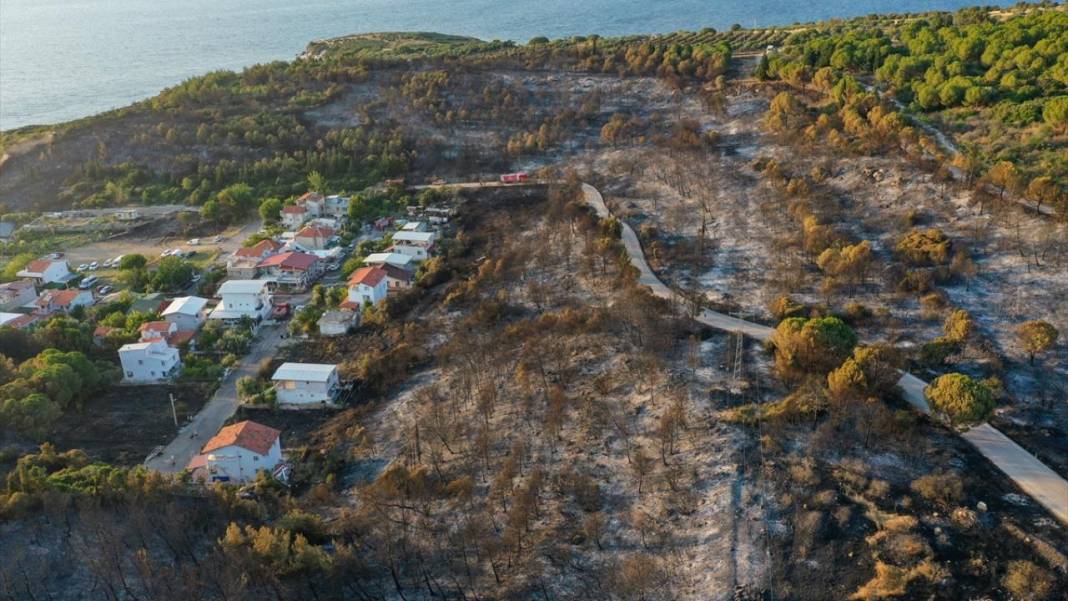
(174, 412)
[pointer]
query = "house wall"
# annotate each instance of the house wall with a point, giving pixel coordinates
(187, 323)
(418, 253)
(362, 293)
(295, 392)
(238, 464)
(142, 367)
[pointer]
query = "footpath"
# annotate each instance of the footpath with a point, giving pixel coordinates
(1032, 476)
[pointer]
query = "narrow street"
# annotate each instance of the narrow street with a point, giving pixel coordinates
(192, 436)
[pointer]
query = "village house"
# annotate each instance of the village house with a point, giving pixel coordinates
(337, 323)
(101, 333)
(396, 277)
(418, 245)
(396, 259)
(243, 298)
(238, 453)
(188, 313)
(21, 322)
(149, 361)
(306, 383)
(366, 285)
(47, 271)
(242, 263)
(336, 206)
(314, 237)
(294, 216)
(61, 301)
(16, 294)
(294, 270)
(157, 329)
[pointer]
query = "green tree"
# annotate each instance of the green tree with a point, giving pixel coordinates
(811, 345)
(1036, 337)
(133, 261)
(960, 398)
(270, 210)
(15, 265)
(1055, 113)
(172, 274)
(316, 182)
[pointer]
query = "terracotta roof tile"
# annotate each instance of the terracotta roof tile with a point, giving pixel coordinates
(247, 435)
(369, 276)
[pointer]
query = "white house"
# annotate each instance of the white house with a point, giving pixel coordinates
(397, 259)
(314, 237)
(47, 271)
(418, 245)
(149, 361)
(306, 383)
(336, 206)
(293, 216)
(239, 452)
(337, 323)
(366, 285)
(16, 294)
(188, 313)
(243, 298)
(414, 226)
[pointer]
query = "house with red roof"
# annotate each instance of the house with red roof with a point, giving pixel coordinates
(242, 263)
(314, 237)
(238, 452)
(47, 271)
(296, 270)
(294, 216)
(62, 301)
(366, 285)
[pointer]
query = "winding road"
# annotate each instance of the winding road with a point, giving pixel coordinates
(1031, 475)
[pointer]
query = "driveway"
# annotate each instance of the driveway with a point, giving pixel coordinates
(176, 455)
(1023, 468)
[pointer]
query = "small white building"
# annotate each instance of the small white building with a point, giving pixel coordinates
(188, 313)
(294, 216)
(149, 362)
(237, 453)
(367, 285)
(396, 259)
(336, 206)
(243, 298)
(337, 323)
(418, 245)
(47, 271)
(306, 383)
(414, 226)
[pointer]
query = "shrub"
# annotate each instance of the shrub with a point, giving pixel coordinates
(940, 488)
(1027, 581)
(1036, 337)
(959, 397)
(925, 247)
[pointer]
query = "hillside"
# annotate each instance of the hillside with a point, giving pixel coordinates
(520, 415)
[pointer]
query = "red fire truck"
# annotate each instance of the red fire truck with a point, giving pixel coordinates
(515, 178)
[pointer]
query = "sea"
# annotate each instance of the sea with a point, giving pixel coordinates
(65, 59)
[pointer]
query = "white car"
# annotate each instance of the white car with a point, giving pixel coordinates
(94, 266)
(107, 263)
(194, 242)
(83, 267)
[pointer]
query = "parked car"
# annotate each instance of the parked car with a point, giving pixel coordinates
(105, 289)
(332, 267)
(83, 267)
(216, 239)
(117, 260)
(197, 277)
(107, 263)
(94, 266)
(88, 282)
(194, 242)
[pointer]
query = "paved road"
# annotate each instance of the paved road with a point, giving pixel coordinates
(1023, 468)
(220, 408)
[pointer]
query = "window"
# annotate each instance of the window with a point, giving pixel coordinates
(255, 457)
(140, 362)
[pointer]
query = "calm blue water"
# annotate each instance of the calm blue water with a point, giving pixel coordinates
(63, 59)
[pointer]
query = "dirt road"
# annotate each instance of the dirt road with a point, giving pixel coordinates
(176, 455)
(1030, 474)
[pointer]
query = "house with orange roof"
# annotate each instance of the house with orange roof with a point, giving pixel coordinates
(296, 270)
(47, 271)
(294, 216)
(366, 285)
(239, 452)
(314, 237)
(62, 301)
(242, 263)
